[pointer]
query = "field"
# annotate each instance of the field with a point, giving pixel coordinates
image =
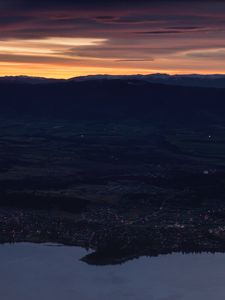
(124, 187)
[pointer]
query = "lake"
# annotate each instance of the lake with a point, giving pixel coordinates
(51, 272)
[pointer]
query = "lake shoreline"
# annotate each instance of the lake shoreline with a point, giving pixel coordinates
(110, 244)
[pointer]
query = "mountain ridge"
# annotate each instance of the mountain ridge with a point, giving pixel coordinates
(114, 99)
(195, 80)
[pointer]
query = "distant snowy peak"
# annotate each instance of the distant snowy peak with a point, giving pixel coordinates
(105, 77)
(196, 80)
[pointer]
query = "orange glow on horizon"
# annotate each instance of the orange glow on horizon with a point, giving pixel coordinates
(63, 57)
(56, 71)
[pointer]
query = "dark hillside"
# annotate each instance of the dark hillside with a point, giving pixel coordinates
(114, 99)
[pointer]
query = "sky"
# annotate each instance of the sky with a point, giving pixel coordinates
(64, 38)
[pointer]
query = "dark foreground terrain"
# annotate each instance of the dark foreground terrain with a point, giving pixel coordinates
(128, 179)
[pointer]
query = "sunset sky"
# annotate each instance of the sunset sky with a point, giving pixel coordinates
(62, 38)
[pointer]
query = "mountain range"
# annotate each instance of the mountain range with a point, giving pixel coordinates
(216, 80)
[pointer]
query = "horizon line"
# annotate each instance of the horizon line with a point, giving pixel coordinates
(113, 75)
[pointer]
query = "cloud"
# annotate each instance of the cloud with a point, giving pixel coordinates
(111, 33)
(135, 60)
(217, 54)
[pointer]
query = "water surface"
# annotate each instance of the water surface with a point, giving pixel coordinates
(41, 272)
